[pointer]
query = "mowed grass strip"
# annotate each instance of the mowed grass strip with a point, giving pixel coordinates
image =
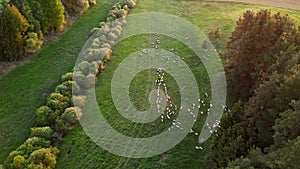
(27, 87)
(79, 151)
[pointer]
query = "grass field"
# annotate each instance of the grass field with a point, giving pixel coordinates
(205, 15)
(27, 87)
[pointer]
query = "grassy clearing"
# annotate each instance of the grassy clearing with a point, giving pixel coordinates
(205, 15)
(27, 87)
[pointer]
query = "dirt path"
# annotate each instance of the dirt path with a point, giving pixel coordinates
(294, 4)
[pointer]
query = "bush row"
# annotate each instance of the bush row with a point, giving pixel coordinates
(98, 53)
(63, 109)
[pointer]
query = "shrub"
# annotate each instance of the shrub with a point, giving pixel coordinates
(103, 38)
(106, 45)
(33, 43)
(94, 30)
(36, 142)
(92, 2)
(122, 20)
(125, 7)
(71, 116)
(75, 88)
(97, 65)
(98, 54)
(54, 13)
(94, 68)
(89, 81)
(60, 125)
(117, 6)
(96, 43)
(18, 162)
(67, 77)
(12, 27)
(79, 101)
(65, 88)
(83, 67)
(79, 78)
(116, 31)
(112, 37)
(102, 66)
(43, 158)
(58, 102)
(85, 82)
(116, 13)
(32, 144)
(108, 55)
(45, 116)
(76, 6)
(9, 162)
(130, 3)
(43, 132)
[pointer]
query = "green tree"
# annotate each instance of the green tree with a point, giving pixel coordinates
(285, 157)
(25, 9)
(260, 114)
(287, 126)
(289, 90)
(231, 140)
(253, 48)
(38, 14)
(53, 11)
(13, 26)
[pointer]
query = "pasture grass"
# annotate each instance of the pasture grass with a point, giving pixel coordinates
(26, 88)
(88, 155)
(205, 15)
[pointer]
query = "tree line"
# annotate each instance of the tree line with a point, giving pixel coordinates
(261, 130)
(24, 23)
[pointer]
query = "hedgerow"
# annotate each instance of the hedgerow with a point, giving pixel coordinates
(60, 113)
